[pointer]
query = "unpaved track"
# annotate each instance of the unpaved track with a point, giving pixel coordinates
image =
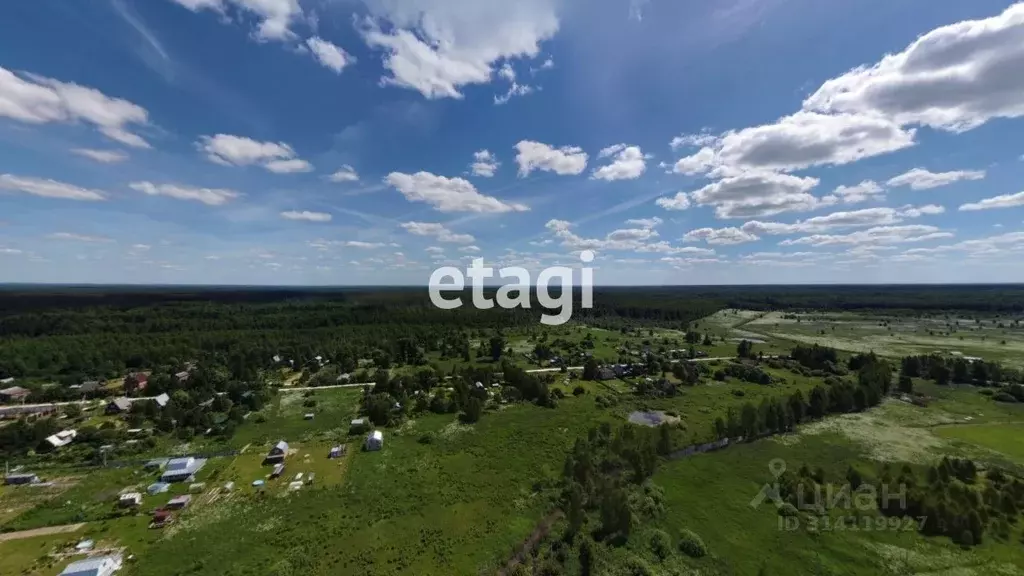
(41, 532)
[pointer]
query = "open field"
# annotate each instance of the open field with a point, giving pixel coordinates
(1006, 439)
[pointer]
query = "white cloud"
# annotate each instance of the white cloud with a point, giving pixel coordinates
(436, 47)
(437, 231)
(796, 142)
(633, 239)
(866, 190)
(484, 164)
(345, 174)
(681, 201)
(757, 194)
(306, 215)
(878, 235)
(954, 78)
(469, 249)
(329, 55)
(104, 156)
(909, 211)
(228, 150)
(628, 163)
(448, 194)
(11, 251)
(514, 90)
(78, 237)
(704, 138)
(645, 222)
(208, 196)
(275, 16)
(49, 188)
(39, 100)
(564, 161)
(1004, 201)
(364, 245)
(921, 179)
(838, 220)
(725, 236)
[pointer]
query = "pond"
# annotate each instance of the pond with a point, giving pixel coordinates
(652, 418)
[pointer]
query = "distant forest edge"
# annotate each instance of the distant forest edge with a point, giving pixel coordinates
(70, 334)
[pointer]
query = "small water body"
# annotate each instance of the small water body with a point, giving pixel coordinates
(651, 418)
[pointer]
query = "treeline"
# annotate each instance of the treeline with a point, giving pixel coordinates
(777, 415)
(88, 341)
(945, 370)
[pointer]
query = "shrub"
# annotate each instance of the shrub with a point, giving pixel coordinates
(987, 392)
(636, 566)
(691, 544)
(310, 403)
(1004, 397)
(661, 544)
(738, 393)
(577, 391)
(557, 393)
(427, 438)
(260, 419)
(788, 510)
(719, 375)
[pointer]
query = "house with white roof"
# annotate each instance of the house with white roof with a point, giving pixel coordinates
(98, 566)
(62, 438)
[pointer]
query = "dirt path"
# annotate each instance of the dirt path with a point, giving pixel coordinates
(67, 528)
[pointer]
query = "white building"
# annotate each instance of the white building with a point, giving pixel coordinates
(62, 438)
(130, 500)
(375, 440)
(99, 566)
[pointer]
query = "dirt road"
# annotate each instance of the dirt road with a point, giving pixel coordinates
(67, 528)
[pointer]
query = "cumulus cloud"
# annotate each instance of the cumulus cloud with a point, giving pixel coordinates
(228, 150)
(865, 191)
(681, 201)
(437, 231)
(877, 235)
(364, 245)
(629, 239)
(103, 156)
(275, 17)
(757, 193)
(306, 215)
(437, 47)
(725, 236)
(469, 249)
(47, 188)
(867, 217)
(921, 179)
(954, 78)
(628, 163)
(796, 142)
(448, 194)
(567, 160)
(36, 99)
(645, 222)
(700, 140)
(484, 164)
(345, 174)
(1004, 201)
(208, 196)
(515, 89)
(329, 55)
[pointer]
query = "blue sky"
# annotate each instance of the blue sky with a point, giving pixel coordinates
(337, 142)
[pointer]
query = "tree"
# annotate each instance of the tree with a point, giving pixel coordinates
(497, 347)
(472, 411)
(590, 369)
(906, 385)
(744, 349)
(664, 440)
(707, 340)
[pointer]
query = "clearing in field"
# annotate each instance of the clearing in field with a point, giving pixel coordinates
(1005, 439)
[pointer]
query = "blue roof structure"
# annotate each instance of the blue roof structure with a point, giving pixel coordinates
(99, 566)
(181, 468)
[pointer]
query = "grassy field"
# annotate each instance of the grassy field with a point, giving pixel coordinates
(1005, 439)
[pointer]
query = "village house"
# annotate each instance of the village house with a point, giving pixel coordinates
(14, 394)
(182, 469)
(130, 500)
(179, 502)
(21, 478)
(98, 566)
(62, 438)
(118, 405)
(375, 440)
(162, 400)
(135, 382)
(277, 453)
(605, 374)
(161, 518)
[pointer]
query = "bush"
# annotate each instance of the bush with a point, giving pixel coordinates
(636, 566)
(310, 403)
(720, 375)
(787, 510)
(1004, 397)
(577, 391)
(260, 419)
(739, 393)
(427, 438)
(661, 544)
(557, 393)
(987, 392)
(691, 544)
